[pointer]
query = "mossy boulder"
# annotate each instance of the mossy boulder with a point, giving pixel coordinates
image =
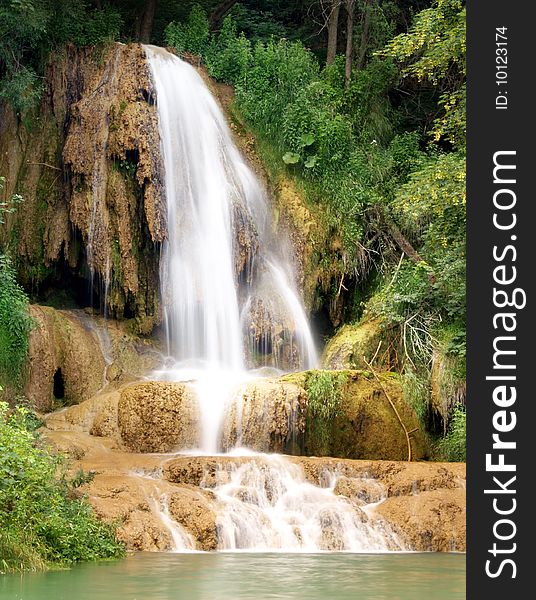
(350, 344)
(363, 424)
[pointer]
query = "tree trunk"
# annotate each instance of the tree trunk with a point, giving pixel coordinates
(218, 14)
(333, 23)
(403, 243)
(364, 37)
(147, 18)
(400, 239)
(350, 9)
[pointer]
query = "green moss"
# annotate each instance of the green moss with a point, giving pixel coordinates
(361, 423)
(351, 343)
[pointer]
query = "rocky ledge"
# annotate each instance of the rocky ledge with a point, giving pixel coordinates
(152, 496)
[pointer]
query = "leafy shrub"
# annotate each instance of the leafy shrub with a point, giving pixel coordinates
(453, 446)
(42, 522)
(325, 393)
(15, 325)
(192, 36)
(229, 56)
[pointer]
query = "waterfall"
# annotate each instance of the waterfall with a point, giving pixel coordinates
(230, 305)
(228, 297)
(220, 243)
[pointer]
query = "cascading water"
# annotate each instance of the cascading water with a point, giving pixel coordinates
(267, 504)
(220, 252)
(211, 193)
(227, 297)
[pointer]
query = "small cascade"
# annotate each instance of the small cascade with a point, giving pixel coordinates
(99, 227)
(267, 504)
(182, 541)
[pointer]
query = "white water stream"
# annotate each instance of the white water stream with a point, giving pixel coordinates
(268, 504)
(211, 194)
(222, 266)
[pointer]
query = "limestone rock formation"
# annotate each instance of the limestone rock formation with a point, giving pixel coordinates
(193, 510)
(72, 355)
(98, 416)
(158, 417)
(267, 416)
(429, 521)
(270, 333)
(65, 362)
(127, 501)
(91, 182)
(422, 502)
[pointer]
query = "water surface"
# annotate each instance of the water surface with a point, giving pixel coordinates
(241, 576)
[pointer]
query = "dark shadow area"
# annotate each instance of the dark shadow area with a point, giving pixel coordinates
(59, 386)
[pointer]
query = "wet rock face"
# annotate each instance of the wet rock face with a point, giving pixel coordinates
(267, 416)
(422, 503)
(127, 501)
(68, 355)
(158, 417)
(92, 180)
(270, 333)
(193, 510)
(65, 363)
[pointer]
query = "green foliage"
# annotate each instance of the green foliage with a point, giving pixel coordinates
(434, 51)
(192, 36)
(15, 325)
(30, 29)
(229, 55)
(325, 394)
(453, 446)
(42, 522)
(417, 393)
(435, 43)
(324, 390)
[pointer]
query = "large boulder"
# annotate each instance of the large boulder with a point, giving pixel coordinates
(65, 361)
(193, 510)
(428, 521)
(364, 424)
(131, 503)
(155, 416)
